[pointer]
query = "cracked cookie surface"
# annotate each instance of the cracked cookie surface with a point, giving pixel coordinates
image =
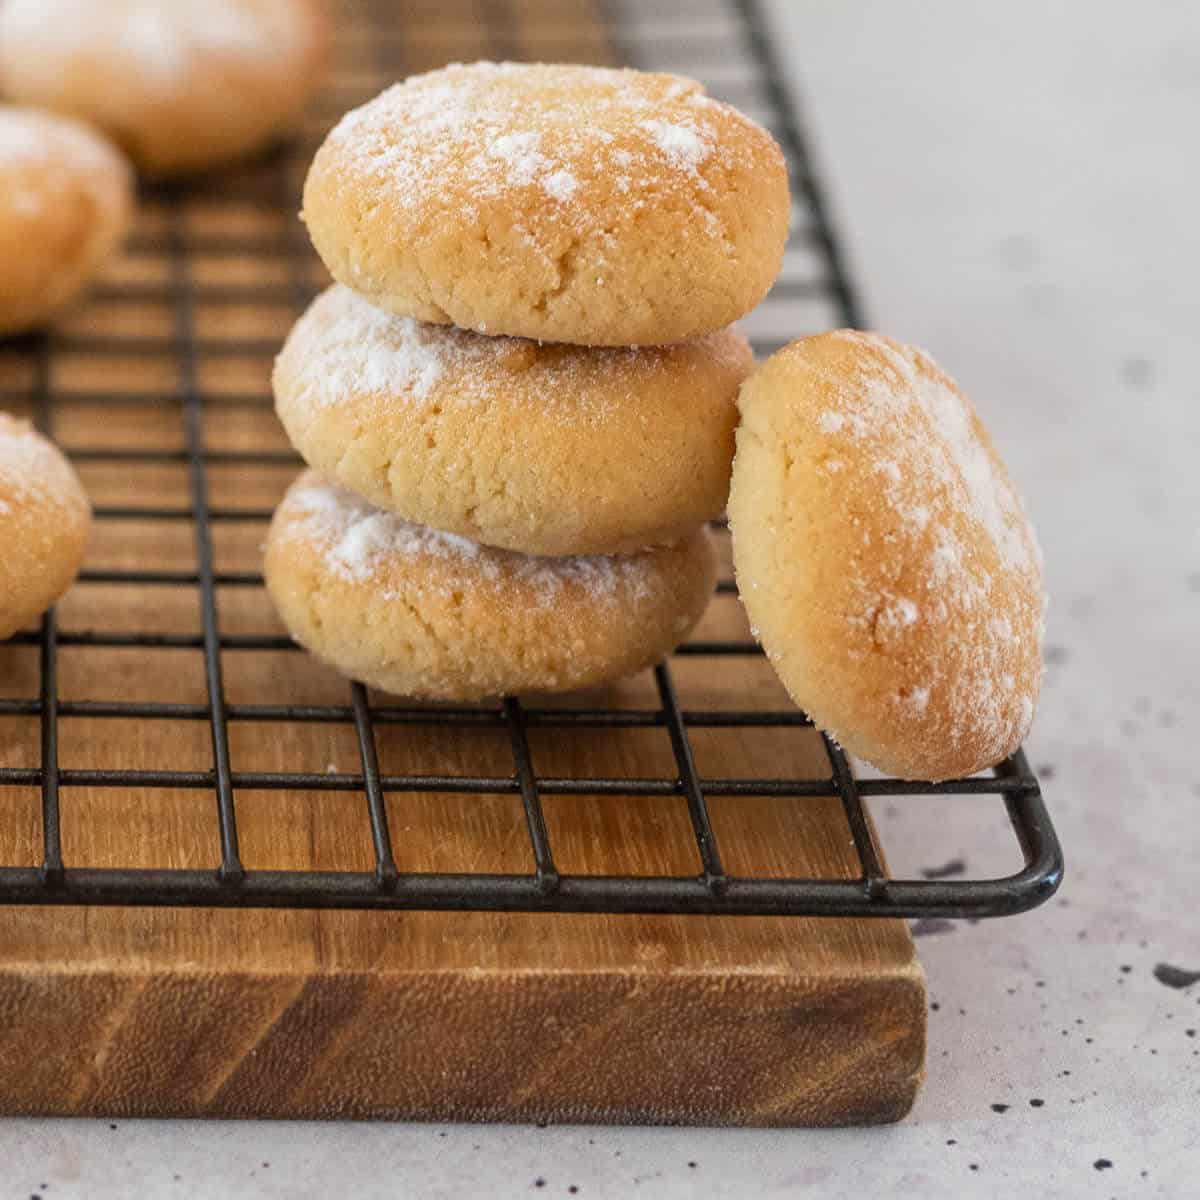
(884, 556)
(564, 203)
(426, 614)
(540, 448)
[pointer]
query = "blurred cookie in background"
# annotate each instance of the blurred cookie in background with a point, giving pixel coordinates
(66, 201)
(45, 519)
(184, 86)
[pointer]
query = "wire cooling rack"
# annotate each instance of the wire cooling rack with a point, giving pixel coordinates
(234, 242)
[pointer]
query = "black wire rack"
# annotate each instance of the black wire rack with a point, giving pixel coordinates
(724, 42)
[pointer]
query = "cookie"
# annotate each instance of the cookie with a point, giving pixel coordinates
(44, 523)
(540, 448)
(66, 200)
(432, 615)
(182, 86)
(565, 203)
(884, 556)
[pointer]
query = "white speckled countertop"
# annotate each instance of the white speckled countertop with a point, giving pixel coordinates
(1017, 186)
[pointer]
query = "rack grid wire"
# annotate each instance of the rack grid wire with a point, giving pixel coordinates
(188, 261)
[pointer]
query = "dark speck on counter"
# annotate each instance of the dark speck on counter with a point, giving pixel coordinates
(1102, 1164)
(1137, 372)
(931, 925)
(956, 866)
(1175, 977)
(999, 1108)
(1018, 251)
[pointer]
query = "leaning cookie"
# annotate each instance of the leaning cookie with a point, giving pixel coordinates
(182, 86)
(431, 615)
(544, 449)
(66, 200)
(559, 202)
(44, 523)
(884, 556)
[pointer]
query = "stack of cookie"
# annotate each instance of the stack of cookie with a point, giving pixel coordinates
(518, 400)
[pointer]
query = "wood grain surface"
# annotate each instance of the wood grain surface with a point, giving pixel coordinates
(438, 1016)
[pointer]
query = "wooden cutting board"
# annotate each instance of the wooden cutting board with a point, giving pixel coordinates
(440, 1016)
(436, 1016)
(425, 1015)
(446, 1016)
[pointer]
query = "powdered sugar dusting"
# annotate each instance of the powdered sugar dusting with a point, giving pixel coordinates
(23, 456)
(30, 468)
(364, 350)
(502, 127)
(343, 350)
(939, 447)
(160, 41)
(518, 151)
(561, 185)
(948, 496)
(358, 540)
(360, 543)
(56, 145)
(21, 139)
(683, 146)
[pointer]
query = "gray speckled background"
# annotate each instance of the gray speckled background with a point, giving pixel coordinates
(1018, 185)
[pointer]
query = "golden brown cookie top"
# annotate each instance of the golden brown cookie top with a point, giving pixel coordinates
(561, 202)
(886, 556)
(66, 199)
(581, 143)
(47, 160)
(44, 523)
(160, 43)
(34, 476)
(421, 613)
(542, 448)
(181, 85)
